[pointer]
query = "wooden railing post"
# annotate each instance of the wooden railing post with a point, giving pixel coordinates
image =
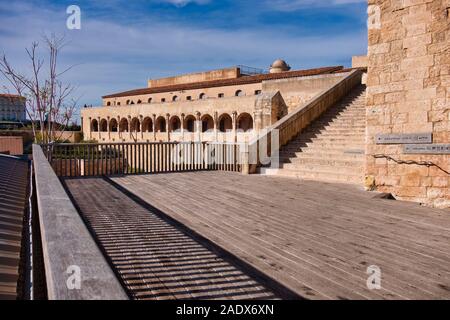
(244, 158)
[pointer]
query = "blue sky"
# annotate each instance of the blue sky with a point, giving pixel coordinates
(123, 43)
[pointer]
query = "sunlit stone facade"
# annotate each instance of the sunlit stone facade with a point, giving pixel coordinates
(219, 105)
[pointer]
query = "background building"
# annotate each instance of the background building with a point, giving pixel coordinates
(12, 108)
(225, 104)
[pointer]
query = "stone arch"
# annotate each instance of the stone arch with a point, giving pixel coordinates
(225, 122)
(174, 124)
(94, 125)
(128, 102)
(123, 125)
(135, 125)
(245, 122)
(160, 124)
(202, 96)
(139, 101)
(207, 122)
(175, 98)
(103, 125)
(113, 125)
(149, 100)
(189, 123)
(108, 103)
(147, 125)
(239, 93)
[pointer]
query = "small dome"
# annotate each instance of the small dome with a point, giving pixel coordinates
(279, 65)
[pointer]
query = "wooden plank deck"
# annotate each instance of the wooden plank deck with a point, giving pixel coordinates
(13, 201)
(315, 238)
(155, 258)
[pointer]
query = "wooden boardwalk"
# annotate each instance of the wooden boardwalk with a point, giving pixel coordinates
(155, 258)
(318, 239)
(13, 202)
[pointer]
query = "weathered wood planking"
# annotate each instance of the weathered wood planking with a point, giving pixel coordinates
(154, 259)
(13, 202)
(316, 238)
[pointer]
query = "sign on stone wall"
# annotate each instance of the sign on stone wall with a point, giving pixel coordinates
(427, 148)
(403, 138)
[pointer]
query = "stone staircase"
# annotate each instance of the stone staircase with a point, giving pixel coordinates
(331, 148)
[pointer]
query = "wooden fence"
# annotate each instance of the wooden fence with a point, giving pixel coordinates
(95, 159)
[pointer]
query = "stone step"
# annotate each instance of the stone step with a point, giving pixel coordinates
(349, 129)
(302, 162)
(323, 146)
(333, 139)
(343, 116)
(342, 129)
(331, 148)
(347, 108)
(335, 151)
(351, 110)
(339, 131)
(339, 121)
(358, 170)
(319, 144)
(294, 156)
(317, 175)
(314, 134)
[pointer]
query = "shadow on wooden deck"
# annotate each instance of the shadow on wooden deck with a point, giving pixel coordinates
(156, 257)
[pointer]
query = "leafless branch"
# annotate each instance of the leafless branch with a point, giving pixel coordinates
(47, 97)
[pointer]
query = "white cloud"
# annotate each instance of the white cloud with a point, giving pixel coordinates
(182, 3)
(289, 5)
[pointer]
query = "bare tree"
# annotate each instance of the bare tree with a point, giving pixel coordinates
(48, 99)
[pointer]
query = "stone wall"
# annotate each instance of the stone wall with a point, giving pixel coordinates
(233, 107)
(359, 62)
(228, 73)
(250, 89)
(408, 92)
(297, 91)
(71, 136)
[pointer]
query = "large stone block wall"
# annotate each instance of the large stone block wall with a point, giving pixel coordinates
(408, 92)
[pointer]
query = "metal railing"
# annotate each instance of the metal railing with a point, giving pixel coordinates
(250, 71)
(95, 159)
